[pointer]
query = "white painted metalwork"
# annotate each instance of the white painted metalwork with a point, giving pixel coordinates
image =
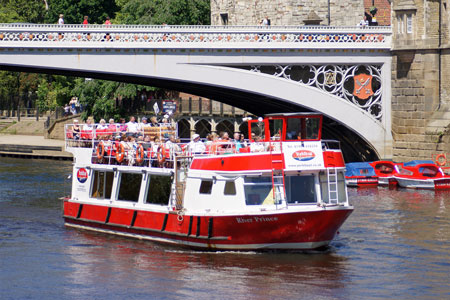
(333, 79)
(179, 36)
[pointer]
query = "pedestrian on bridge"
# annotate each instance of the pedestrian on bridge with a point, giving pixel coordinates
(61, 19)
(85, 21)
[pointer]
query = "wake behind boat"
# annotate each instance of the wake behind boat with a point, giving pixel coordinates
(284, 189)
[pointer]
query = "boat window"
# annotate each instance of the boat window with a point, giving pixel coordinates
(159, 188)
(428, 171)
(206, 187)
(386, 169)
(257, 129)
(130, 185)
(363, 171)
(300, 189)
(102, 185)
(302, 128)
(275, 128)
(258, 191)
(342, 196)
(230, 188)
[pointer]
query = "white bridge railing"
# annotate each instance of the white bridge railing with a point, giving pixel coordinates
(146, 36)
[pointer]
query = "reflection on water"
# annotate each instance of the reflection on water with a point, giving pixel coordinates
(394, 245)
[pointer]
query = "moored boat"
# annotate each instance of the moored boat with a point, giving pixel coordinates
(284, 190)
(422, 174)
(385, 171)
(360, 174)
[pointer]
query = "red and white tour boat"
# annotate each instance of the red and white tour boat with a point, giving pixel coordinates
(283, 190)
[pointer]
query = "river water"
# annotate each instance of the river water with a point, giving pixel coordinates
(395, 245)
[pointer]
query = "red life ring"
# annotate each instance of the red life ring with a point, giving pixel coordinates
(161, 155)
(120, 153)
(100, 151)
(140, 154)
(440, 162)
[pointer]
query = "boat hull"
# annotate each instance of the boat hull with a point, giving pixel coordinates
(430, 184)
(361, 182)
(264, 231)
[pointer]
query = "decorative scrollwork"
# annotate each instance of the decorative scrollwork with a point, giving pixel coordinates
(358, 84)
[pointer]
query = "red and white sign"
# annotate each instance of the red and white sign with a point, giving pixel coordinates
(303, 155)
(82, 175)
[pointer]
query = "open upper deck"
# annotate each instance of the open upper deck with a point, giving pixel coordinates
(281, 141)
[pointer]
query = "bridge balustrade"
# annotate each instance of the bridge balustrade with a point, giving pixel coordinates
(146, 36)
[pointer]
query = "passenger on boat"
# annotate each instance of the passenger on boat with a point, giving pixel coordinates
(237, 141)
(172, 145)
(154, 122)
(123, 126)
(76, 130)
(133, 127)
(213, 144)
(257, 145)
(102, 125)
(89, 124)
(226, 144)
(112, 127)
(196, 146)
(144, 125)
(155, 144)
(130, 149)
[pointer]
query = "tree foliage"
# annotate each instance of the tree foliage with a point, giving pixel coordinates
(179, 12)
(75, 10)
(26, 11)
(97, 96)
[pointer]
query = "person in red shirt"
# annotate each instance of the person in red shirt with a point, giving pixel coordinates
(85, 21)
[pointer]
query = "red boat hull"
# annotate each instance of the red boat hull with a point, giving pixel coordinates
(287, 230)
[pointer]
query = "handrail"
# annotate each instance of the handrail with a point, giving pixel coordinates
(178, 36)
(193, 28)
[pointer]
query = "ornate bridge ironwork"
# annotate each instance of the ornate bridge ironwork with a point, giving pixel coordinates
(343, 81)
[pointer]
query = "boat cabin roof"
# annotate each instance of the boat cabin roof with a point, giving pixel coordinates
(418, 162)
(359, 169)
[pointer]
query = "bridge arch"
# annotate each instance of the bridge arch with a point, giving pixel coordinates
(216, 70)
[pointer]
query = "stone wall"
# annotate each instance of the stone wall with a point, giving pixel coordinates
(420, 85)
(286, 12)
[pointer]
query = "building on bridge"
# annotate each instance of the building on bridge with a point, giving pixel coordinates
(296, 12)
(420, 79)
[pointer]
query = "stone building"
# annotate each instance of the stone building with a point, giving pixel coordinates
(420, 79)
(295, 12)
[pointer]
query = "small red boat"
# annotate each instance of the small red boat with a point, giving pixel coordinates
(285, 190)
(385, 170)
(360, 174)
(422, 174)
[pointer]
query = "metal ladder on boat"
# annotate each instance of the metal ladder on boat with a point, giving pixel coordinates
(278, 183)
(332, 177)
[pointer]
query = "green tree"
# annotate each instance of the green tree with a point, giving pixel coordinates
(179, 12)
(75, 10)
(54, 91)
(29, 11)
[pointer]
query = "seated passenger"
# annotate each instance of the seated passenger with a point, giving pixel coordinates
(257, 145)
(133, 127)
(112, 127)
(123, 126)
(196, 146)
(76, 130)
